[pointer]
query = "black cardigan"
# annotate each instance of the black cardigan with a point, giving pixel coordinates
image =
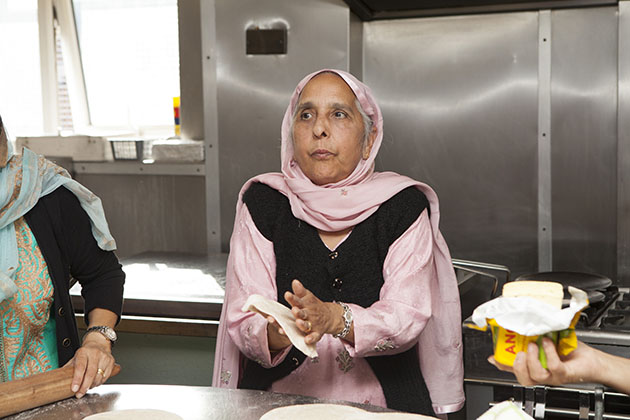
(352, 273)
(64, 236)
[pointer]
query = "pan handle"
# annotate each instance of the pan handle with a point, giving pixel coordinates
(483, 266)
(480, 268)
(495, 285)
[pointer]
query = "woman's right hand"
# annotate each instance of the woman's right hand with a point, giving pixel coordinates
(584, 364)
(276, 337)
(93, 364)
(578, 366)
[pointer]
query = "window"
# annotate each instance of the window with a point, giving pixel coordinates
(127, 64)
(130, 56)
(20, 76)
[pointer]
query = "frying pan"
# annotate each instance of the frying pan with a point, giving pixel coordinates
(584, 281)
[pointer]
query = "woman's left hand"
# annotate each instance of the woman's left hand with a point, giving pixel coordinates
(312, 316)
(93, 364)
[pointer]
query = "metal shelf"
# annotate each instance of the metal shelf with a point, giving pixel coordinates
(139, 168)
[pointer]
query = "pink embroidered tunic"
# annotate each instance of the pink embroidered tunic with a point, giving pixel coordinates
(392, 324)
(418, 302)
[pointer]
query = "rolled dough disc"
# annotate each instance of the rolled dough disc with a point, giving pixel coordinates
(283, 315)
(136, 414)
(334, 411)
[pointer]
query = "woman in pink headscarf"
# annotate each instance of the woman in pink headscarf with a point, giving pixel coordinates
(358, 257)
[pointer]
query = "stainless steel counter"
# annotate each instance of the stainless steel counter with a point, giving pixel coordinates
(172, 285)
(189, 402)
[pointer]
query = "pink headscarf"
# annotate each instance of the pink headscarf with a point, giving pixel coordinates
(335, 207)
(344, 204)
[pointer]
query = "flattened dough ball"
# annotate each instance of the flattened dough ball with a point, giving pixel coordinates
(135, 414)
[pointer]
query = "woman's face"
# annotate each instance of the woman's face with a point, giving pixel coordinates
(328, 131)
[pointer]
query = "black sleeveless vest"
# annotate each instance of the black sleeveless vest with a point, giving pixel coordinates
(352, 273)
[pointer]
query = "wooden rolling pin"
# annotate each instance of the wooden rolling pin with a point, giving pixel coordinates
(37, 390)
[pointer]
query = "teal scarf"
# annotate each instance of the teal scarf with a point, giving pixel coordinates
(23, 181)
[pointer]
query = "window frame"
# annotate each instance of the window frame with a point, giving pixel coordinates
(63, 11)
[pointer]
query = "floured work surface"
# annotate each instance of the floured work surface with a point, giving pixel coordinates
(136, 414)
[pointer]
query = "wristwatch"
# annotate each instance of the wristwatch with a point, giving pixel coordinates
(108, 332)
(347, 321)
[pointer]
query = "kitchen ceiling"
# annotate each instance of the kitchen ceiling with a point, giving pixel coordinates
(392, 9)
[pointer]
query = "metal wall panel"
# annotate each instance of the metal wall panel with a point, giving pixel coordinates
(152, 212)
(356, 46)
(623, 147)
(545, 225)
(211, 122)
(253, 90)
(584, 139)
(460, 98)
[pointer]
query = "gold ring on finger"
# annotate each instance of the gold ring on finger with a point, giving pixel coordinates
(101, 372)
(308, 326)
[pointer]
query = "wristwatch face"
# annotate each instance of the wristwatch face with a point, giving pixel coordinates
(106, 331)
(347, 316)
(109, 333)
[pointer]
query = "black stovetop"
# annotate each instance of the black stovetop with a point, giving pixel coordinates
(594, 315)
